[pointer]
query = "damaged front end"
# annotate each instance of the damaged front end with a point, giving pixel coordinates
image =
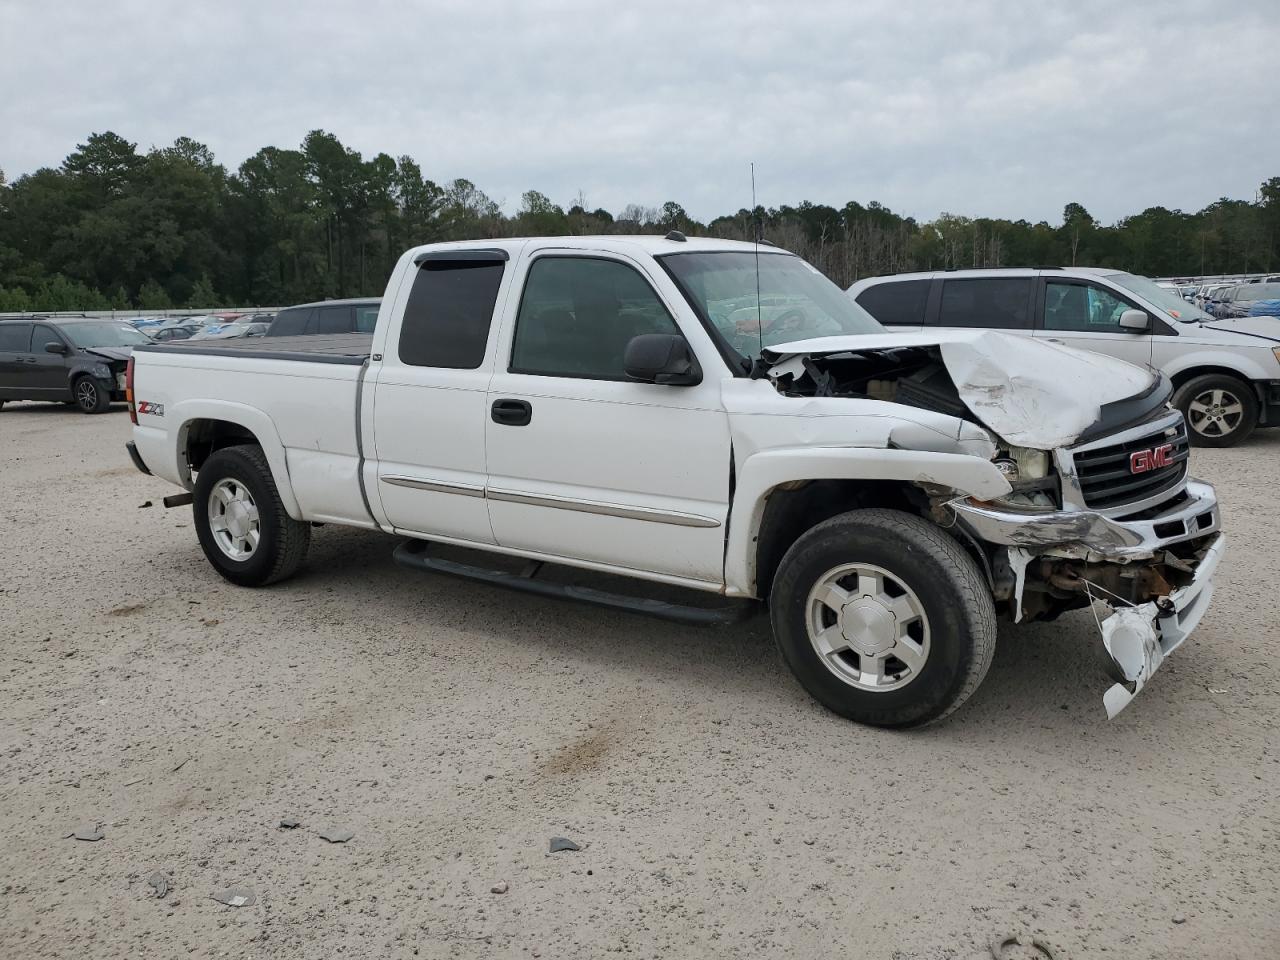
(1101, 511)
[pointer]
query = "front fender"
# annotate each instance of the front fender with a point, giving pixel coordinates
(763, 472)
(257, 422)
(1246, 365)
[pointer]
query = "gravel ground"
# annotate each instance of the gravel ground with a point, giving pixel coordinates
(456, 728)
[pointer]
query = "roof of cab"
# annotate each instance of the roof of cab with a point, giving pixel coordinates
(331, 303)
(653, 244)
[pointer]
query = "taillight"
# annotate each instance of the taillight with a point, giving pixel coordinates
(128, 391)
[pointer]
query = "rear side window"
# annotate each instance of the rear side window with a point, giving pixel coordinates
(15, 337)
(366, 318)
(446, 321)
(998, 303)
(335, 320)
(290, 323)
(896, 303)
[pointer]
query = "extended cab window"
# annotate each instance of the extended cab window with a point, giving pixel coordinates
(999, 303)
(578, 314)
(446, 321)
(899, 303)
(1082, 308)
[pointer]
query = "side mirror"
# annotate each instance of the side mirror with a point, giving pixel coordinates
(53, 346)
(1135, 320)
(662, 358)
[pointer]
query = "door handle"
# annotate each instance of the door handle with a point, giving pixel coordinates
(513, 413)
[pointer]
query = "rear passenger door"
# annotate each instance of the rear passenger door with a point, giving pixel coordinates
(429, 393)
(15, 373)
(1086, 315)
(899, 304)
(986, 303)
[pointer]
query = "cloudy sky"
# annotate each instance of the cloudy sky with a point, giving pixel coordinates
(1005, 109)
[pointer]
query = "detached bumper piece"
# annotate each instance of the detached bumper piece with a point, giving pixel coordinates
(413, 553)
(1139, 638)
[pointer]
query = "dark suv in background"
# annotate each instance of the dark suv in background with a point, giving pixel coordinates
(329, 316)
(69, 360)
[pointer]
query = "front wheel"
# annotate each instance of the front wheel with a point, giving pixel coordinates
(244, 530)
(1220, 411)
(883, 618)
(91, 395)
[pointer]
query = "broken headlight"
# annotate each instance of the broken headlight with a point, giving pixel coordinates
(1029, 472)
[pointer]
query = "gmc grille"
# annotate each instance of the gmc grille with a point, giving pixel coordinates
(1105, 477)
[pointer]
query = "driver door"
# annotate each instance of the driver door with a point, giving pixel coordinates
(48, 371)
(585, 463)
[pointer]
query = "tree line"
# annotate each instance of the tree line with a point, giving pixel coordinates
(113, 227)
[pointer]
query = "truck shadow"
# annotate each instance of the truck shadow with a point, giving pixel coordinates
(1046, 676)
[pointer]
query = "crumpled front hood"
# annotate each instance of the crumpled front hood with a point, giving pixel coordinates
(1029, 392)
(110, 353)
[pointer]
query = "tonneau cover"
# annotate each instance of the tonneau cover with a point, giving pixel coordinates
(352, 348)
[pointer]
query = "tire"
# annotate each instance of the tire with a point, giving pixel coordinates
(91, 395)
(931, 601)
(1208, 402)
(241, 474)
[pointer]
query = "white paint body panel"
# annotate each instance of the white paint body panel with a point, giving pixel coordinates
(627, 477)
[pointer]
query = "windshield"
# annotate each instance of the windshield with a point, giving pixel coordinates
(99, 334)
(795, 301)
(1166, 300)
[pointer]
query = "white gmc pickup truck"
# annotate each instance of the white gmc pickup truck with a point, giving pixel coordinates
(714, 416)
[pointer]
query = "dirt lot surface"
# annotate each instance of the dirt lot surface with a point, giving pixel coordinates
(456, 729)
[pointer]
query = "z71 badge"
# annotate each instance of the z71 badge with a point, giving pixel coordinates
(150, 409)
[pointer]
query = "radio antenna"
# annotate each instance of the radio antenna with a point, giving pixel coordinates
(757, 363)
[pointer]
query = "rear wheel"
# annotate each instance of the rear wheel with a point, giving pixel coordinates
(243, 527)
(91, 395)
(883, 618)
(1221, 411)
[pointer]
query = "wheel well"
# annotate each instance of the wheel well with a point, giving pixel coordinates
(796, 507)
(1183, 376)
(206, 436)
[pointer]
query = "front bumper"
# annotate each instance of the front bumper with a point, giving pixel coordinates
(1101, 536)
(1139, 638)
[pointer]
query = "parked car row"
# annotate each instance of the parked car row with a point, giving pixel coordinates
(1225, 372)
(81, 360)
(1244, 300)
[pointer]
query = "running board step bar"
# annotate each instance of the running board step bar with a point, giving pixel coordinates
(413, 553)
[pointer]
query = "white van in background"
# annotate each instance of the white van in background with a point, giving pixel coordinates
(1226, 372)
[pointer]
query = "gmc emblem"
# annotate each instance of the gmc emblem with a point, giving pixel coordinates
(1152, 459)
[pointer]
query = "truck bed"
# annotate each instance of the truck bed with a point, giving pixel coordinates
(350, 348)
